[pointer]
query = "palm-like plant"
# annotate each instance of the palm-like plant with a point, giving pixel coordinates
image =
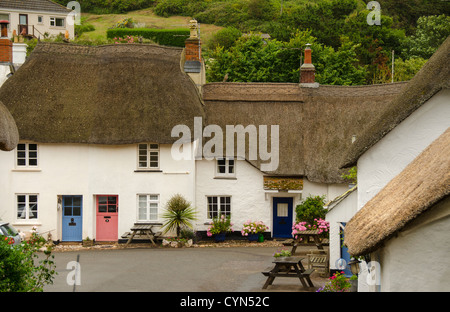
(178, 213)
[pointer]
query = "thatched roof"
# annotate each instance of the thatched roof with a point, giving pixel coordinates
(432, 78)
(316, 125)
(112, 94)
(9, 136)
(422, 184)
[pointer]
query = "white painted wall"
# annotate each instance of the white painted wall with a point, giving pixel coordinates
(416, 260)
(89, 170)
(404, 143)
(248, 198)
(342, 212)
(41, 27)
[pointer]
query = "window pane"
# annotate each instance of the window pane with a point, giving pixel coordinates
(154, 164)
(60, 22)
(231, 166)
(143, 146)
(112, 200)
(102, 208)
(112, 208)
(153, 197)
(32, 162)
(154, 146)
(32, 147)
(102, 200)
(33, 199)
(76, 211)
(77, 201)
(21, 211)
(142, 214)
(67, 211)
(21, 199)
(33, 211)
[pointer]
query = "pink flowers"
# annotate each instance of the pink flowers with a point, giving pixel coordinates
(251, 227)
(319, 224)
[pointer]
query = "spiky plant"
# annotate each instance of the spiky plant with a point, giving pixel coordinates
(179, 213)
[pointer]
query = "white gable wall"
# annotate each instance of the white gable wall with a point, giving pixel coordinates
(404, 143)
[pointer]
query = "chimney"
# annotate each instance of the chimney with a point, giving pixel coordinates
(307, 70)
(193, 64)
(5, 43)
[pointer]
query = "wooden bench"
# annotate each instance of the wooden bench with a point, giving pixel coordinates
(318, 259)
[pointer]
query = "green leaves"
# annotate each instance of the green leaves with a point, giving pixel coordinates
(179, 213)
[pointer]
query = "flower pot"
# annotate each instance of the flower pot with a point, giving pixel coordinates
(260, 238)
(219, 237)
(253, 237)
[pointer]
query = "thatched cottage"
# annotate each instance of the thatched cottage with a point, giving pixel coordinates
(96, 141)
(402, 203)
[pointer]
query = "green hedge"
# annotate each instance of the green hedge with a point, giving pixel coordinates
(169, 37)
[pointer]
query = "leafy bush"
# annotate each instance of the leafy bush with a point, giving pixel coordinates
(167, 8)
(169, 37)
(83, 27)
(310, 209)
(110, 6)
(220, 225)
(225, 38)
(19, 269)
(336, 283)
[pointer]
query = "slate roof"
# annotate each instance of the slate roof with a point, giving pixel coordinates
(34, 5)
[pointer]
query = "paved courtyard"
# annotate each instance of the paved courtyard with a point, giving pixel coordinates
(208, 269)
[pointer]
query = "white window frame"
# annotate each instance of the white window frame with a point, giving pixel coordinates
(27, 207)
(27, 156)
(148, 202)
(220, 199)
(53, 21)
(151, 150)
(227, 173)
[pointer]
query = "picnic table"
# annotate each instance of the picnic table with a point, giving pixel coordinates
(144, 229)
(308, 236)
(289, 267)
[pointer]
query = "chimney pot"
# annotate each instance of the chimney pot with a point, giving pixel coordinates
(307, 70)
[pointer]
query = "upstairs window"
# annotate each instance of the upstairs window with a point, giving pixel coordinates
(225, 167)
(148, 156)
(27, 155)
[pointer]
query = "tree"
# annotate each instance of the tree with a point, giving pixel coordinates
(430, 34)
(179, 213)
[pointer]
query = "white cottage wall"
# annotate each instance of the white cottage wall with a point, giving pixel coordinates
(90, 170)
(416, 258)
(399, 147)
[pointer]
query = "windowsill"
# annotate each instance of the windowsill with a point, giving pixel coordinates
(148, 170)
(225, 178)
(26, 169)
(26, 223)
(57, 27)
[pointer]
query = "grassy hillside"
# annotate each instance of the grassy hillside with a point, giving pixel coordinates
(145, 17)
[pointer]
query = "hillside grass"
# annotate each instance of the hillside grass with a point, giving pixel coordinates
(146, 16)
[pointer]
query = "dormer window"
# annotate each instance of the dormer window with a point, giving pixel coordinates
(225, 167)
(27, 155)
(148, 156)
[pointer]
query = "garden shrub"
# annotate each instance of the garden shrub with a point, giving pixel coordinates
(311, 208)
(168, 37)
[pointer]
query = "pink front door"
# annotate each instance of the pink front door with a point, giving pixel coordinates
(107, 217)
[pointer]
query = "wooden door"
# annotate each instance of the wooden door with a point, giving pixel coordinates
(282, 217)
(72, 219)
(107, 217)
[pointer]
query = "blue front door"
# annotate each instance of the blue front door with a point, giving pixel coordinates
(282, 216)
(72, 219)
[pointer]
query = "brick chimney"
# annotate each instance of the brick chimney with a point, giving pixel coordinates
(307, 70)
(5, 43)
(193, 64)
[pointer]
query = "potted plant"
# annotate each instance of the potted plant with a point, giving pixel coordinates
(219, 227)
(282, 254)
(87, 242)
(253, 230)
